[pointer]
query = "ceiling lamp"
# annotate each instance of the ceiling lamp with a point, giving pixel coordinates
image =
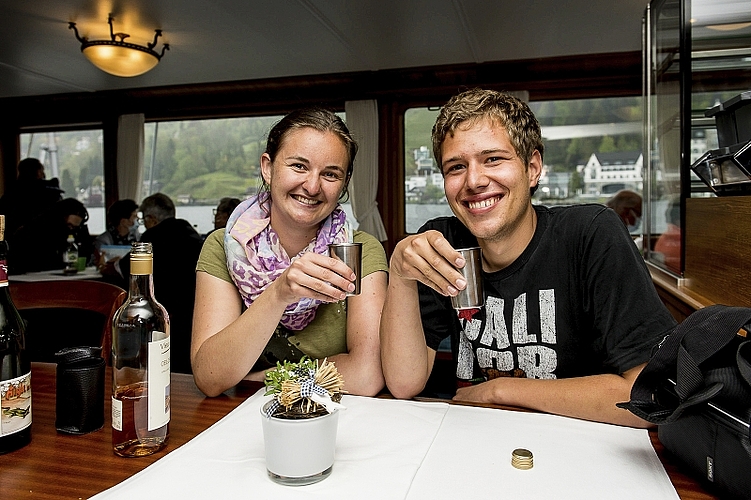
(118, 57)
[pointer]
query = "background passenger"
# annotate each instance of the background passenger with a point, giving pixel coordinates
(668, 245)
(627, 204)
(267, 290)
(121, 225)
(570, 313)
(222, 212)
(176, 246)
(39, 245)
(31, 196)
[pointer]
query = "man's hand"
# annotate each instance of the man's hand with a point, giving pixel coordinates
(478, 393)
(431, 260)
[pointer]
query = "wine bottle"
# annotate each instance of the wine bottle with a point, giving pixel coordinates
(140, 364)
(15, 366)
(70, 257)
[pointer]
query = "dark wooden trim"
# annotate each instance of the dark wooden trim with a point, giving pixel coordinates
(610, 74)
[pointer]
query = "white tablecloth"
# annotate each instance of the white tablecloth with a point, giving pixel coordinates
(408, 450)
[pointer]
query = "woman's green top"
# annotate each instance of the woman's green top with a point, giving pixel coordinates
(326, 335)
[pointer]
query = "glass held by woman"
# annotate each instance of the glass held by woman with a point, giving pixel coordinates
(267, 289)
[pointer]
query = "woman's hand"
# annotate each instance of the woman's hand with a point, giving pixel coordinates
(314, 276)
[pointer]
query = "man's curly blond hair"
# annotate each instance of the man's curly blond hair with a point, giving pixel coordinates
(500, 108)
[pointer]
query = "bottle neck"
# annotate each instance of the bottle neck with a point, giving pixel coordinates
(141, 285)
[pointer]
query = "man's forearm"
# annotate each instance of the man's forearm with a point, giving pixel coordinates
(589, 398)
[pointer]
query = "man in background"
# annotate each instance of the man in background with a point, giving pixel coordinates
(176, 246)
(222, 212)
(32, 195)
(627, 204)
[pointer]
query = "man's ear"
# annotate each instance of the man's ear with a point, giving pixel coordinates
(535, 169)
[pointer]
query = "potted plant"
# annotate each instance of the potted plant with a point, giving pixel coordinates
(300, 421)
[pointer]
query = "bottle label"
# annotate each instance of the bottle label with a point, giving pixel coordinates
(117, 414)
(3, 272)
(159, 381)
(15, 400)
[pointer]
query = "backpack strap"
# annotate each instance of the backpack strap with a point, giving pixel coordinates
(743, 358)
(692, 342)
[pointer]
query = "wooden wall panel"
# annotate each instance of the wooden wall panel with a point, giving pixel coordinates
(718, 249)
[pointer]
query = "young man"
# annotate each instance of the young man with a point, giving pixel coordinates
(570, 313)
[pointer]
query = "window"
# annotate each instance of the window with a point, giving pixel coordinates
(75, 158)
(423, 182)
(592, 150)
(199, 162)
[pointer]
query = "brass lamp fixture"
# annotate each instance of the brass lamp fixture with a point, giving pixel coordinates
(118, 57)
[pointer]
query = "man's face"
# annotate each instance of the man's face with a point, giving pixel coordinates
(486, 182)
(149, 221)
(220, 219)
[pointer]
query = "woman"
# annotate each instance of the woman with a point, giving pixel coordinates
(121, 225)
(254, 304)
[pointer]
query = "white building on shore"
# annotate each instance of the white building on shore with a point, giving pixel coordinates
(607, 173)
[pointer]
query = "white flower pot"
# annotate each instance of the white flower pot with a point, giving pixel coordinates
(300, 451)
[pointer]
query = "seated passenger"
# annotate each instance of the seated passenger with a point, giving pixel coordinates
(222, 212)
(570, 315)
(668, 246)
(627, 204)
(121, 226)
(39, 245)
(32, 195)
(267, 290)
(176, 246)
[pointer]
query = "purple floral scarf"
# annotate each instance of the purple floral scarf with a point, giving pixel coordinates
(255, 258)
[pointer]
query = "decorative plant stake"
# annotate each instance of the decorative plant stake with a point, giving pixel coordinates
(300, 422)
(303, 389)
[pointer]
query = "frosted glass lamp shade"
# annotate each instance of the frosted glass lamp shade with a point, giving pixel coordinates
(120, 60)
(118, 57)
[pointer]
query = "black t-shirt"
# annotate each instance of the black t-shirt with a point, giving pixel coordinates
(578, 301)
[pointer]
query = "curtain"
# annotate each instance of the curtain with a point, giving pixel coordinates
(130, 139)
(362, 121)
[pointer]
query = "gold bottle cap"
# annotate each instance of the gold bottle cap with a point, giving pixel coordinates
(522, 459)
(141, 259)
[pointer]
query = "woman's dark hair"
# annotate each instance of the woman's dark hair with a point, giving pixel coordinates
(316, 118)
(121, 209)
(71, 206)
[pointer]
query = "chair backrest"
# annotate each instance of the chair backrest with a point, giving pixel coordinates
(95, 296)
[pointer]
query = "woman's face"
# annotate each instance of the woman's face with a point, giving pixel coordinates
(306, 178)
